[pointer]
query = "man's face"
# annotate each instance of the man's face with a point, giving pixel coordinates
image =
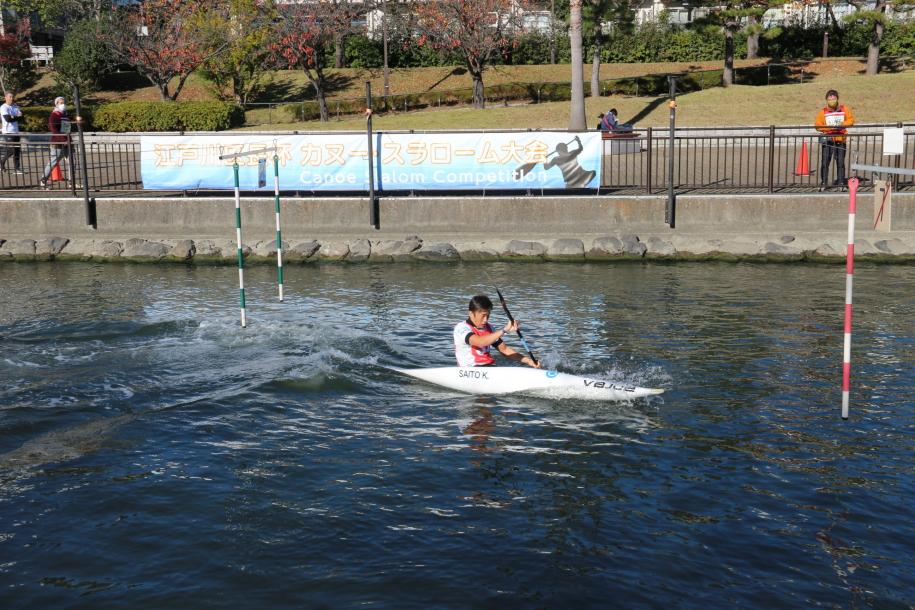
(832, 101)
(480, 317)
(9, 98)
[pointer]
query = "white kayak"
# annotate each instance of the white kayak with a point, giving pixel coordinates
(525, 380)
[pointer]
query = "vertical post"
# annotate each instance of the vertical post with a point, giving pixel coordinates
(849, 275)
(384, 35)
(771, 158)
(241, 257)
(89, 204)
(649, 159)
(279, 234)
(373, 201)
(669, 210)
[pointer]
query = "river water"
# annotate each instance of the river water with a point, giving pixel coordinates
(155, 454)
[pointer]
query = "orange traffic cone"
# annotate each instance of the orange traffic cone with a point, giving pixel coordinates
(803, 162)
(56, 175)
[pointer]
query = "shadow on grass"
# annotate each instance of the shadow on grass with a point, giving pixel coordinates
(124, 81)
(459, 71)
(288, 91)
(648, 109)
(43, 96)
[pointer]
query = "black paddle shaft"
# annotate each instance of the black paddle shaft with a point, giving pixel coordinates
(512, 319)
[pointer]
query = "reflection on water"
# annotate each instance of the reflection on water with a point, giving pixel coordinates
(152, 452)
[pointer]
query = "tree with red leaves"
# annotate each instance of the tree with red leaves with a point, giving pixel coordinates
(478, 30)
(303, 38)
(166, 39)
(15, 72)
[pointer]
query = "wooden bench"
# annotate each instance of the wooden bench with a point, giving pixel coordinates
(41, 54)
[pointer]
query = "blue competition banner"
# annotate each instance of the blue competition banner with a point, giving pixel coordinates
(339, 162)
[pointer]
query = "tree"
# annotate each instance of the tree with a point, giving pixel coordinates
(594, 13)
(304, 35)
(479, 31)
(84, 58)
(876, 18)
(239, 72)
(730, 16)
(60, 12)
(16, 73)
(166, 39)
(577, 121)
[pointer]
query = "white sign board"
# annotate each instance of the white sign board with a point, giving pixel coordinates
(893, 141)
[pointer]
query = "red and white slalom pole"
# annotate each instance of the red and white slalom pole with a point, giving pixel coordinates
(849, 274)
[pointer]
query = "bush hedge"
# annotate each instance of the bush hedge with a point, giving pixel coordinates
(35, 118)
(168, 116)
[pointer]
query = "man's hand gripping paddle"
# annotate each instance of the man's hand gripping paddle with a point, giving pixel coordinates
(512, 319)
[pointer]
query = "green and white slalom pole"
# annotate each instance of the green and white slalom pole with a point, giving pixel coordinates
(279, 234)
(241, 257)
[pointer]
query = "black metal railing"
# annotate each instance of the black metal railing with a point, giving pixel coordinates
(759, 160)
(725, 160)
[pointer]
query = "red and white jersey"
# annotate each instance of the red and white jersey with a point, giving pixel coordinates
(466, 354)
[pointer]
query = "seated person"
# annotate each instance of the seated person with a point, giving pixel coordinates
(609, 122)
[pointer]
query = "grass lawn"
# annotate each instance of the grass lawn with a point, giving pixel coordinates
(885, 98)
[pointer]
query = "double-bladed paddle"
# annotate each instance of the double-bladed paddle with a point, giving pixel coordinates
(512, 319)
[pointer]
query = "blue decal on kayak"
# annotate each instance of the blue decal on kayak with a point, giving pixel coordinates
(552, 374)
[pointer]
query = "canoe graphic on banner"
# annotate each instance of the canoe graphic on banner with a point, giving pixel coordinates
(416, 162)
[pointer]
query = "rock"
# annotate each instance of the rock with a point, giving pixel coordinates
(437, 252)
(143, 249)
(523, 249)
(891, 246)
(864, 248)
(20, 248)
(566, 249)
(49, 248)
(659, 247)
(333, 251)
(359, 250)
(786, 239)
(476, 251)
(772, 248)
(303, 251)
(632, 246)
(605, 247)
(92, 249)
(389, 250)
(267, 249)
(207, 248)
(830, 248)
(183, 250)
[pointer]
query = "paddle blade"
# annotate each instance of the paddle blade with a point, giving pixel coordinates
(524, 170)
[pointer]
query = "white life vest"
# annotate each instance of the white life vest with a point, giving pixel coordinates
(466, 354)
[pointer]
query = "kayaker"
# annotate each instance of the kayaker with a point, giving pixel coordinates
(474, 337)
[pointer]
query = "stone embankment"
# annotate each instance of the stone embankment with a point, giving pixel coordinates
(788, 227)
(785, 247)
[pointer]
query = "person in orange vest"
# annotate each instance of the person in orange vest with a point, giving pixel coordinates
(832, 122)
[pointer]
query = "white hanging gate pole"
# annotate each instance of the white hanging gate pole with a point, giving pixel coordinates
(279, 233)
(238, 241)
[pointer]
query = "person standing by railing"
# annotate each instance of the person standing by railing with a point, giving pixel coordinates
(59, 126)
(10, 114)
(832, 121)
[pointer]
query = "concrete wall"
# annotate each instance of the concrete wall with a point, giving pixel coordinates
(531, 217)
